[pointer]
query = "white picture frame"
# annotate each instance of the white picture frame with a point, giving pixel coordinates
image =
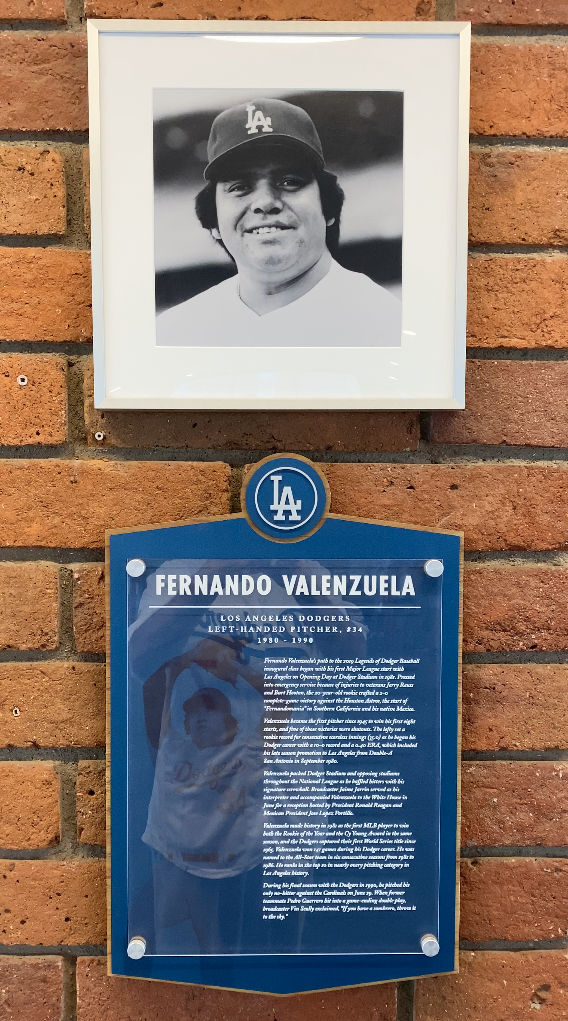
(139, 68)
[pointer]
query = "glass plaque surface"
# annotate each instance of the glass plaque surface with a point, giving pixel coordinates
(280, 719)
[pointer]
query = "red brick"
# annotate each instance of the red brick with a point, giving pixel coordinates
(32, 10)
(513, 898)
(61, 704)
(337, 10)
(91, 819)
(71, 503)
(30, 795)
(89, 608)
(32, 190)
(518, 196)
(498, 986)
(519, 88)
(29, 610)
(52, 902)
(513, 12)
(43, 82)
(514, 706)
(511, 608)
(119, 999)
(251, 430)
(509, 402)
(45, 294)
(31, 988)
(36, 412)
(517, 301)
(514, 803)
(481, 499)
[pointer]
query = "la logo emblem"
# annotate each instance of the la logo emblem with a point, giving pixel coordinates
(284, 502)
(256, 120)
(285, 497)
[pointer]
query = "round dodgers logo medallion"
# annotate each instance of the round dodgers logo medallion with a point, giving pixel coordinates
(285, 497)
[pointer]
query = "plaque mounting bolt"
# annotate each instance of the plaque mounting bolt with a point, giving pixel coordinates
(22, 380)
(429, 944)
(135, 568)
(136, 948)
(434, 568)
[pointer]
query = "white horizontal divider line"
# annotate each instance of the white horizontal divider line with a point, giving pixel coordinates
(292, 609)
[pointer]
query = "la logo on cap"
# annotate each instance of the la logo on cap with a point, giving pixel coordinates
(256, 120)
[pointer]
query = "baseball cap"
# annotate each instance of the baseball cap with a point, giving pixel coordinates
(207, 698)
(263, 121)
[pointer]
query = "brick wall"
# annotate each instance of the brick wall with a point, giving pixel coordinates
(498, 471)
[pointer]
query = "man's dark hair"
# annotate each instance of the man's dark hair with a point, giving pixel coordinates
(331, 196)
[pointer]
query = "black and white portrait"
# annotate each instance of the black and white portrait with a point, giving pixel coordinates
(278, 218)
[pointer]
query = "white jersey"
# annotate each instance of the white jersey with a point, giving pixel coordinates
(205, 812)
(342, 309)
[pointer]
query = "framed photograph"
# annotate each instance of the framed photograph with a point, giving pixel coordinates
(279, 214)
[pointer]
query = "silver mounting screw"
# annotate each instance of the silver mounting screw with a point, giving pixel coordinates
(99, 436)
(136, 948)
(135, 568)
(22, 380)
(429, 944)
(434, 568)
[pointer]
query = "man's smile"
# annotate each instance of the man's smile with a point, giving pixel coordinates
(272, 228)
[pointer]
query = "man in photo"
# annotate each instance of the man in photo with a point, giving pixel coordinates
(275, 209)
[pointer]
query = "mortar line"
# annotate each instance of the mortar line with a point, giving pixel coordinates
(68, 807)
(90, 852)
(69, 988)
(428, 453)
(60, 950)
(59, 753)
(518, 142)
(48, 136)
(405, 1001)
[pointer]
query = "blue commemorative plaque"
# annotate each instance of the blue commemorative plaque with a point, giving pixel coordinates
(284, 744)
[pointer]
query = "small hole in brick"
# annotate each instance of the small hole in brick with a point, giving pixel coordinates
(90, 793)
(15, 711)
(67, 919)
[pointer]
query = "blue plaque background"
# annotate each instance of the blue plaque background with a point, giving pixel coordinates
(327, 955)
